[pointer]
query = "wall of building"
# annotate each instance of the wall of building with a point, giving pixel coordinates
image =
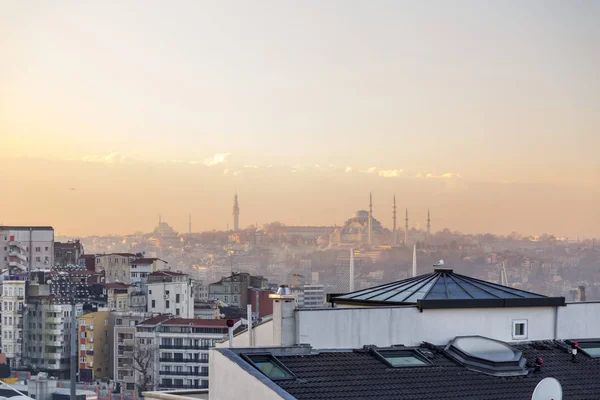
(579, 321)
(93, 352)
(355, 327)
(157, 293)
(229, 382)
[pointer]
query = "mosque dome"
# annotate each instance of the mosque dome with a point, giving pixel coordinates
(360, 214)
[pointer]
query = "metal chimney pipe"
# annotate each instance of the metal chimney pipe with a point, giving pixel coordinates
(581, 293)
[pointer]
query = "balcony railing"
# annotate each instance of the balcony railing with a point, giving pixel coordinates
(183, 373)
(183, 347)
(179, 360)
(166, 386)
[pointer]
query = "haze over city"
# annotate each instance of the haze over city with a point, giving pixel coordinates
(487, 114)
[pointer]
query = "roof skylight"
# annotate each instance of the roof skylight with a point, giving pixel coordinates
(270, 366)
(401, 357)
(487, 356)
(591, 349)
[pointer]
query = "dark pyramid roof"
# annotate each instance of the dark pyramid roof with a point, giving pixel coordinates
(445, 289)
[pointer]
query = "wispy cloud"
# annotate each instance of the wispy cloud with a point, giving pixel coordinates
(447, 175)
(370, 170)
(112, 158)
(348, 169)
(226, 172)
(216, 159)
(237, 173)
(391, 173)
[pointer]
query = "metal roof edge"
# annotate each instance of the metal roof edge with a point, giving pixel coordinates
(491, 303)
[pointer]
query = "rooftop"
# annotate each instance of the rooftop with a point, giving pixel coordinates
(432, 374)
(166, 273)
(170, 320)
(445, 289)
(147, 261)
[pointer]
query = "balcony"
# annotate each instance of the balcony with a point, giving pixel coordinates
(124, 365)
(20, 245)
(126, 378)
(183, 347)
(17, 263)
(179, 360)
(55, 320)
(90, 328)
(56, 356)
(126, 342)
(17, 254)
(183, 373)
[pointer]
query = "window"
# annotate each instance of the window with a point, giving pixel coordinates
(105, 322)
(270, 366)
(82, 322)
(119, 321)
(167, 304)
(38, 259)
(177, 311)
(519, 329)
(82, 335)
(591, 349)
(149, 291)
(226, 299)
(82, 347)
(177, 298)
(81, 359)
(402, 358)
(46, 248)
(37, 249)
(153, 303)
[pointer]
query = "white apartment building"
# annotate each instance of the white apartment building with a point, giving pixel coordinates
(13, 304)
(181, 348)
(47, 335)
(26, 248)
(170, 293)
(142, 267)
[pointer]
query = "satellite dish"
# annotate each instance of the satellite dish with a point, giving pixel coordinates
(548, 389)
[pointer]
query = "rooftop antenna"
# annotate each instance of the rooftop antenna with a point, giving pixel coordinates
(548, 389)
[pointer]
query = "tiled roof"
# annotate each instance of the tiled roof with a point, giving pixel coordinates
(167, 273)
(145, 261)
(156, 320)
(208, 323)
(445, 289)
(114, 285)
(360, 375)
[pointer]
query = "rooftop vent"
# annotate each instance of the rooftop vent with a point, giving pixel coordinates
(487, 356)
(284, 290)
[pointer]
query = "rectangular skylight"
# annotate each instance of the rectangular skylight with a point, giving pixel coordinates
(592, 349)
(402, 358)
(270, 366)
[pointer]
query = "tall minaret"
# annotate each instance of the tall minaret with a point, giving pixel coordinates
(370, 219)
(236, 213)
(406, 228)
(428, 224)
(190, 225)
(395, 234)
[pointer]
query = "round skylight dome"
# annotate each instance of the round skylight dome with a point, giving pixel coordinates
(484, 348)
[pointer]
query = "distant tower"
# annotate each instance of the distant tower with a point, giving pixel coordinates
(351, 270)
(428, 224)
(190, 225)
(370, 219)
(406, 228)
(236, 213)
(414, 261)
(395, 234)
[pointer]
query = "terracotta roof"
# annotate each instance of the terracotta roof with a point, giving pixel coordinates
(167, 273)
(222, 323)
(147, 261)
(155, 320)
(114, 285)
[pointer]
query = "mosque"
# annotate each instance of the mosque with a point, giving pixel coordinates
(361, 228)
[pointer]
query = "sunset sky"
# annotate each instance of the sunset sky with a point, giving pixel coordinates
(488, 113)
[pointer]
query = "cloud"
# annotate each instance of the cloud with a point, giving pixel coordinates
(218, 158)
(237, 173)
(251, 166)
(348, 169)
(112, 158)
(226, 172)
(447, 175)
(391, 173)
(371, 170)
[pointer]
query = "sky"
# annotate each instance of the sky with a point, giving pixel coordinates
(488, 113)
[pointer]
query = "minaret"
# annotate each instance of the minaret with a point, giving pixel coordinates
(236, 213)
(395, 234)
(190, 225)
(428, 224)
(406, 228)
(370, 219)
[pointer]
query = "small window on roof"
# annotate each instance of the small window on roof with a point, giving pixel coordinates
(519, 330)
(402, 358)
(591, 349)
(270, 366)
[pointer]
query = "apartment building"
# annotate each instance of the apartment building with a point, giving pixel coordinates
(142, 267)
(171, 293)
(233, 290)
(67, 253)
(116, 266)
(47, 335)
(94, 352)
(13, 305)
(121, 348)
(314, 296)
(180, 347)
(24, 248)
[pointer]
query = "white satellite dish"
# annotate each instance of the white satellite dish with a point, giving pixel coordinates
(548, 389)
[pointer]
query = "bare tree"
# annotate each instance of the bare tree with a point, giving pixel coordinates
(143, 364)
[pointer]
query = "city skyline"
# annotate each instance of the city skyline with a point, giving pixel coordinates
(485, 113)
